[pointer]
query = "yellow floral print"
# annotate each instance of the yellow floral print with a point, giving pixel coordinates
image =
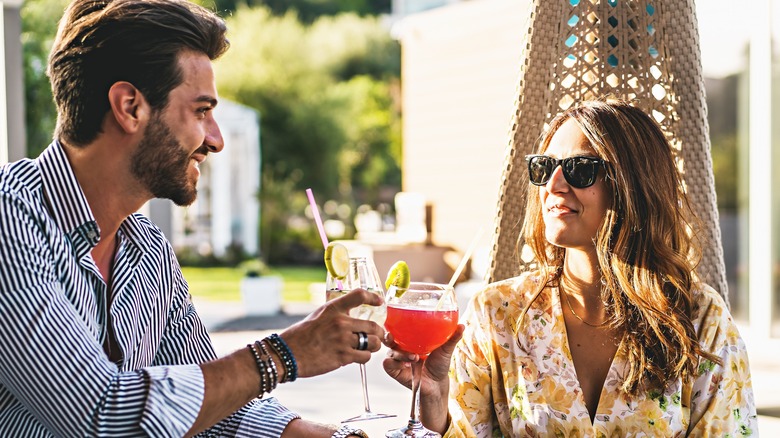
(515, 378)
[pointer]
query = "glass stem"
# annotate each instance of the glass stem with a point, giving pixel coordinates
(366, 406)
(414, 416)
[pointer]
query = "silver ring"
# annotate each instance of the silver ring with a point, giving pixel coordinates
(362, 341)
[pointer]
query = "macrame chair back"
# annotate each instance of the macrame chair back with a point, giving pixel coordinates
(641, 50)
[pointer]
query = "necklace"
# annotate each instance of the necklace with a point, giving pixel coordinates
(568, 302)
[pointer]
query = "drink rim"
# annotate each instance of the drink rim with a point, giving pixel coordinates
(452, 308)
(443, 289)
(434, 286)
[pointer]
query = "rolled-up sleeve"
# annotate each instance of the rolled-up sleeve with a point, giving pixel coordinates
(264, 418)
(174, 399)
(187, 341)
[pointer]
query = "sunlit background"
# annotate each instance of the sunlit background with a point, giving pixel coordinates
(367, 102)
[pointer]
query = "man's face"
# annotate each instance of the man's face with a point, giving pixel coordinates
(162, 164)
(167, 159)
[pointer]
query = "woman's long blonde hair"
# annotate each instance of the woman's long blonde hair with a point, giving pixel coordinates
(646, 249)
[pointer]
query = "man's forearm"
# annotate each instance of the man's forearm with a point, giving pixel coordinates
(230, 383)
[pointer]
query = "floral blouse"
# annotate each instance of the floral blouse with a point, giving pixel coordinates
(526, 385)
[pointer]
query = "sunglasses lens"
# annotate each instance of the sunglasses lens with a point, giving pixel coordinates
(580, 172)
(540, 168)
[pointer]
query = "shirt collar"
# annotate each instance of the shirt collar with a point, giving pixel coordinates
(68, 205)
(64, 198)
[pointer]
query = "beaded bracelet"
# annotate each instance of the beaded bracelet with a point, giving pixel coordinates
(260, 368)
(274, 371)
(285, 355)
(267, 383)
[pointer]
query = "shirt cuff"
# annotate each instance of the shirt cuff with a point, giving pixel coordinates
(174, 400)
(265, 418)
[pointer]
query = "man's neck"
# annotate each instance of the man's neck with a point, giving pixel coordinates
(103, 255)
(111, 191)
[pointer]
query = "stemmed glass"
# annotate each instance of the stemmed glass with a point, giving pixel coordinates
(421, 319)
(362, 274)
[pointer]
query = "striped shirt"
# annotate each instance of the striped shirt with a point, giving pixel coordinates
(56, 312)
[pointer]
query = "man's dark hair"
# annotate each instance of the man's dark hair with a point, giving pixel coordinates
(139, 41)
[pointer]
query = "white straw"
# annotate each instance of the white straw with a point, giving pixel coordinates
(466, 257)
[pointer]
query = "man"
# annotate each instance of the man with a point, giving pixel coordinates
(98, 336)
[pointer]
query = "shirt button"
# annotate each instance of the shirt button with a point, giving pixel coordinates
(91, 234)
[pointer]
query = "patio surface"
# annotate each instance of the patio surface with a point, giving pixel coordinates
(335, 396)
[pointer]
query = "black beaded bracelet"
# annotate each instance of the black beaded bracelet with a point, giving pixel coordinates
(260, 368)
(285, 355)
(267, 383)
(271, 363)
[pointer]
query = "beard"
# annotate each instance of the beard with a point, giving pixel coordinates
(161, 164)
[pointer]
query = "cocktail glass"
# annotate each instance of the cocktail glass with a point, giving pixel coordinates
(421, 319)
(362, 274)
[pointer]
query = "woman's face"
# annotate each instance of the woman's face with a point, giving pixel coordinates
(572, 216)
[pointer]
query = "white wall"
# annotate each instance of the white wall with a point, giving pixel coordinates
(460, 65)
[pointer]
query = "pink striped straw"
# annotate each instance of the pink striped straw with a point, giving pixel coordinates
(317, 219)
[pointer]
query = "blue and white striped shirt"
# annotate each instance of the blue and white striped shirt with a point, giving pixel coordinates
(55, 377)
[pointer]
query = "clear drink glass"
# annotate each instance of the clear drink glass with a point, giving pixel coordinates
(362, 274)
(421, 319)
(334, 288)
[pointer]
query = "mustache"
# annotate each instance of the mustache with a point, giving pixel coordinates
(203, 149)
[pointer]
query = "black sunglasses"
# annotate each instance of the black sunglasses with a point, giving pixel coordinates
(580, 172)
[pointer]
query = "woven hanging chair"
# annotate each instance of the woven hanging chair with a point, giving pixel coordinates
(645, 51)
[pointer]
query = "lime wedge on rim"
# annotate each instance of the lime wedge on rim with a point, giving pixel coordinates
(398, 276)
(337, 260)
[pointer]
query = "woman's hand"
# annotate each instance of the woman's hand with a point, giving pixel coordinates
(434, 383)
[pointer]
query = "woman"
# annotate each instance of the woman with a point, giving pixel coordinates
(612, 334)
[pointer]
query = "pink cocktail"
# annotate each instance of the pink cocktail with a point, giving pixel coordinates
(421, 319)
(420, 331)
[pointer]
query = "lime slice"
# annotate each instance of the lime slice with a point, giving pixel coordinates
(398, 276)
(337, 260)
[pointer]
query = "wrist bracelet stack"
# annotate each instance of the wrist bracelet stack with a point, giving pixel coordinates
(266, 367)
(274, 371)
(269, 374)
(285, 355)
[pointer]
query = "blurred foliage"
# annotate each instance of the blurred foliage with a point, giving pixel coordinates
(329, 98)
(281, 205)
(724, 166)
(39, 25)
(722, 117)
(308, 10)
(254, 267)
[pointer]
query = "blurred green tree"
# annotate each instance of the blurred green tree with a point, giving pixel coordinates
(722, 97)
(724, 167)
(39, 25)
(328, 95)
(307, 10)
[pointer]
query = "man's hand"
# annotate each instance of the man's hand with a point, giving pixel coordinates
(328, 338)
